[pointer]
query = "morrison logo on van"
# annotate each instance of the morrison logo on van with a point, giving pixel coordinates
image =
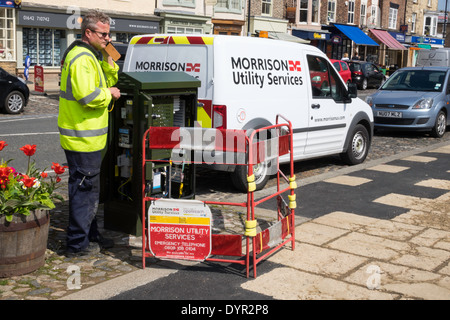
(252, 71)
(167, 66)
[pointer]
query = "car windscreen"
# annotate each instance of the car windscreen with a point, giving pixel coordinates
(416, 80)
(355, 67)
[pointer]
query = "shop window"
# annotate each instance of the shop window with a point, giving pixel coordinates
(7, 34)
(124, 37)
(43, 46)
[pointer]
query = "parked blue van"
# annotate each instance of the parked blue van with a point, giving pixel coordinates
(413, 98)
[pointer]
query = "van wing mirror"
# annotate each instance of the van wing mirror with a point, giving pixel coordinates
(352, 90)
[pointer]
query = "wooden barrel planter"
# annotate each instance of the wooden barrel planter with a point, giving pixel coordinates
(23, 242)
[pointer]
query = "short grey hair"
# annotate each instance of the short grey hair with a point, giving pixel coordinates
(91, 18)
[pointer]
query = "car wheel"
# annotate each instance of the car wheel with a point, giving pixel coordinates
(364, 84)
(440, 125)
(358, 146)
(14, 102)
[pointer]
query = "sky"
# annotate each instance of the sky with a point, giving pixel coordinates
(441, 5)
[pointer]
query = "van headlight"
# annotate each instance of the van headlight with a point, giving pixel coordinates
(423, 104)
(369, 100)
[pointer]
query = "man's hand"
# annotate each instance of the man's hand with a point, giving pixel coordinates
(115, 92)
(107, 58)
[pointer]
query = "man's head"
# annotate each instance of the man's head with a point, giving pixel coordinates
(95, 29)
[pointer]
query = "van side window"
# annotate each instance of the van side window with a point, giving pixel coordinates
(325, 81)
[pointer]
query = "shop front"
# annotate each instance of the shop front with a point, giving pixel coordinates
(317, 38)
(348, 39)
(44, 36)
(228, 27)
(391, 53)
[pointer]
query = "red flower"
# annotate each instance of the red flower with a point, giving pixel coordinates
(4, 176)
(59, 169)
(44, 175)
(2, 145)
(5, 172)
(28, 149)
(28, 181)
(58, 179)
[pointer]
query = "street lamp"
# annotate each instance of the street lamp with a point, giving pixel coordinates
(445, 21)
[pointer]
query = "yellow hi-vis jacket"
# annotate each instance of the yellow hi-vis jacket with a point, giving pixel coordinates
(84, 99)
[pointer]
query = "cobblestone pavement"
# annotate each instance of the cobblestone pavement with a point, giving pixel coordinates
(51, 281)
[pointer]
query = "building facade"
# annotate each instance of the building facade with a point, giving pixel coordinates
(42, 30)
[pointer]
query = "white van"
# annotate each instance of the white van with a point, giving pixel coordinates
(433, 58)
(246, 82)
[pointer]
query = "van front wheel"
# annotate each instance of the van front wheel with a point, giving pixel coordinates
(261, 172)
(358, 146)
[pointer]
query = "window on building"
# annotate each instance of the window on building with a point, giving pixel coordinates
(413, 22)
(184, 30)
(430, 26)
(351, 12)
(373, 15)
(362, 19)
(303, 10)
(228, 5)
(393, 18)
(7, 32)
(182, 3)
(266, 7)
(43, 46)
(331, 12)
(315, 11)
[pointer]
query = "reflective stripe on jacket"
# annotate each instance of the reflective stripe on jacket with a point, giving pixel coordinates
(84, 99)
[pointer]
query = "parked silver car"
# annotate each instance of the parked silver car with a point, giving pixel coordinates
(413, 98)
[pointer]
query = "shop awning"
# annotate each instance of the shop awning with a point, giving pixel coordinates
(387, 39)
(356, 35)
(285, 37)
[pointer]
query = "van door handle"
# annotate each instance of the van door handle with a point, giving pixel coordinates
(315, 106)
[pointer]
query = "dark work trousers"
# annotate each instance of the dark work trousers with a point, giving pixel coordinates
(84, 191)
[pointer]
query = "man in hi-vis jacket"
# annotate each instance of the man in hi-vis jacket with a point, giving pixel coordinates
(87, 79)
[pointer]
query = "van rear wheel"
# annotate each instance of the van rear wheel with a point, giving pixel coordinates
(358, 146)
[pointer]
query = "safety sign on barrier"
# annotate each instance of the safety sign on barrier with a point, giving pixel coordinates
(179, 229)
